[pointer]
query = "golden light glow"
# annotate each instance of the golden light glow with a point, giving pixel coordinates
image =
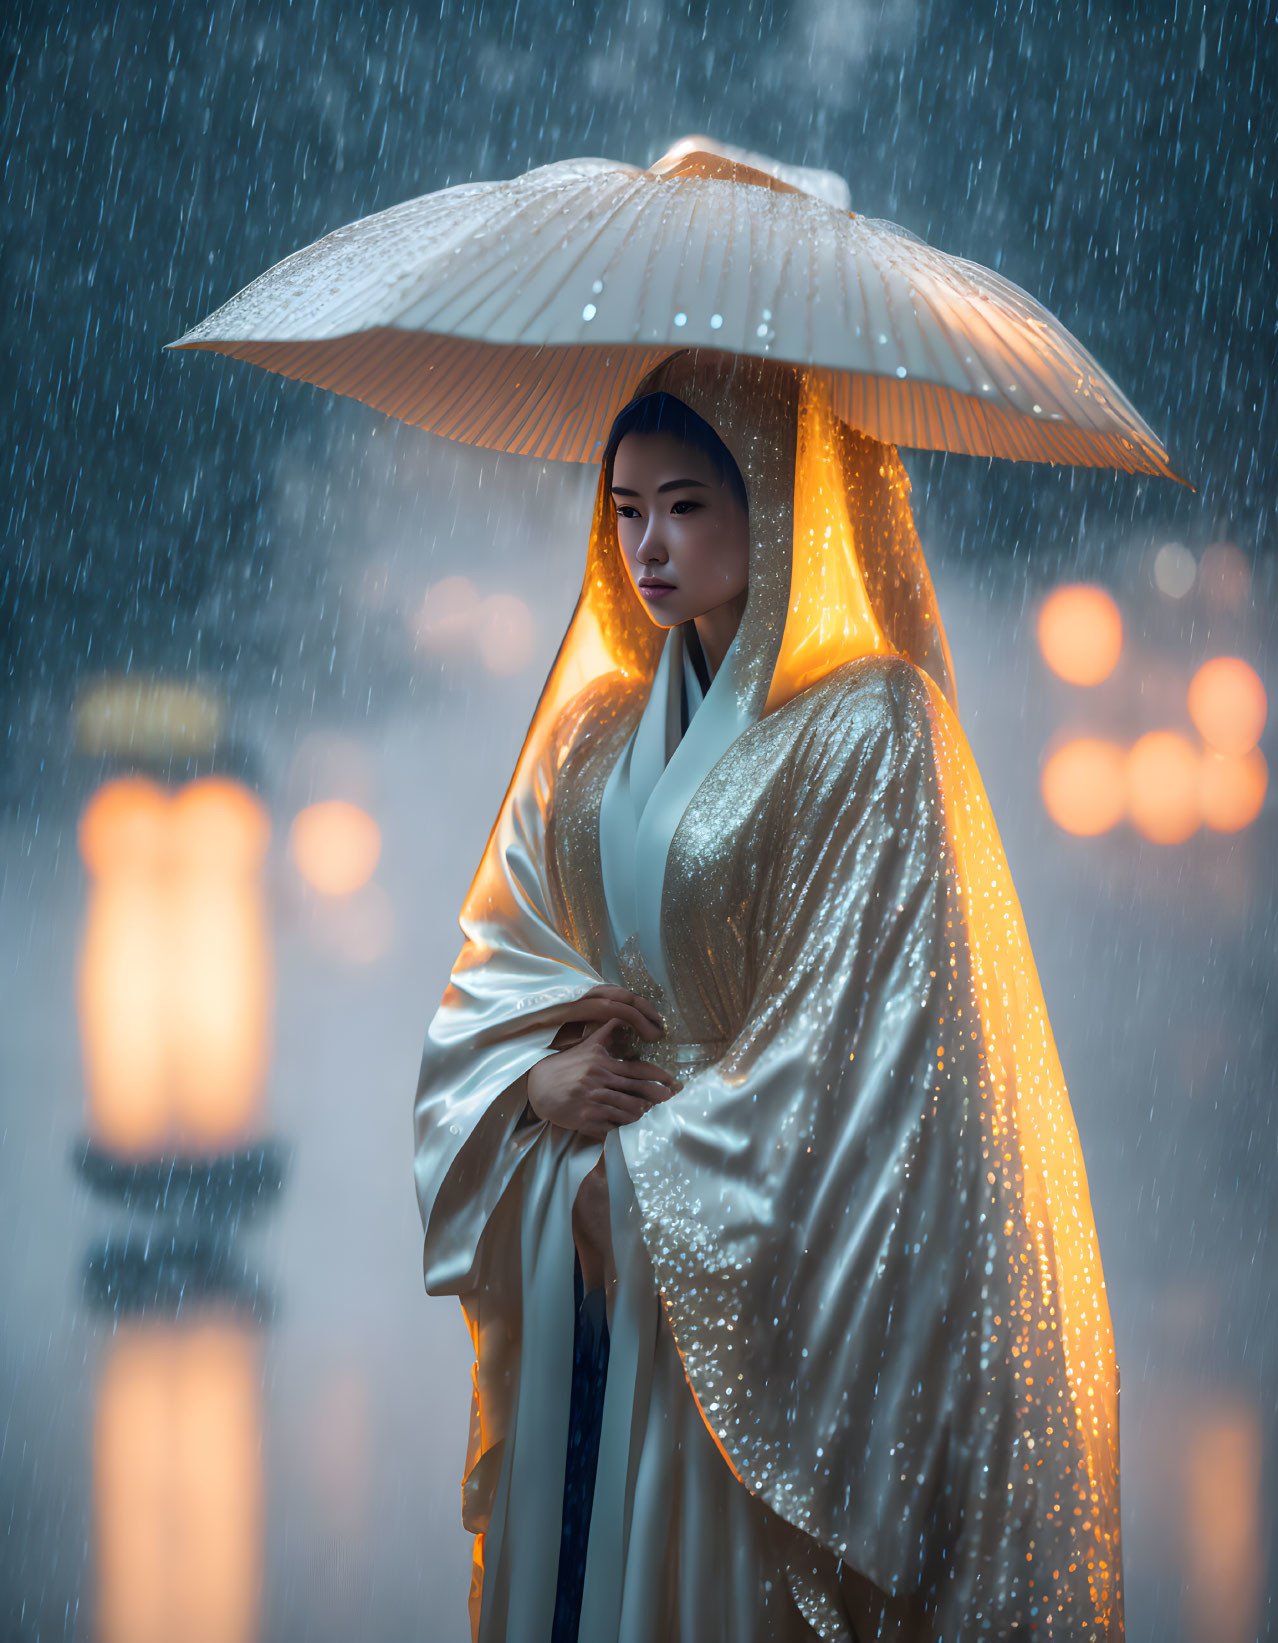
(335, 846)
(830, 617)
(1080, 633)
(1232, 789)
(1228, 705)
(1025, 1087)
(1163, 787)
(174, 982)
(1083, 785)
(177, 1485)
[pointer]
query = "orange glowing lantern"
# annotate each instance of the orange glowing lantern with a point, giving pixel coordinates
(1083, 786)
(1228, 705)
(177, 1485)
(335, 846)
(1163, 787)
(1232, 790)
(174, 979)
(1080, 633)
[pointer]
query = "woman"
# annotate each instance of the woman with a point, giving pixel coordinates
(746, 1043)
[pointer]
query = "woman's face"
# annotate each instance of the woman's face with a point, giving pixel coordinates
(684, 534)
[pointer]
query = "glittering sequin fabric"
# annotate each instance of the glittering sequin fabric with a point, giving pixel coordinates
(867, 1214)
(866, 1210)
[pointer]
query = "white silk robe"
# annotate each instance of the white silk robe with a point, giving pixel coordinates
(861, 1382)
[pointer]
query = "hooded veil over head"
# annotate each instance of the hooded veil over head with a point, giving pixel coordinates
(866, 1211)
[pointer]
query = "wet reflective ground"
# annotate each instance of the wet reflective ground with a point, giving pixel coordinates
(281, 1459)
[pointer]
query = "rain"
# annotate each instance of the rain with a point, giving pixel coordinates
(227, 1410)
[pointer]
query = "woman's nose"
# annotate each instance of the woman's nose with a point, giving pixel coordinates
(652, 550)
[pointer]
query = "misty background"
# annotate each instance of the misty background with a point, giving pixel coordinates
(190, 519)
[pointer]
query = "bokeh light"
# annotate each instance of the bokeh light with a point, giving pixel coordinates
(1223, 1526)
(1232, 789)
(1162, 771)
(179, 1499)
(1080, 633)
(174, 978)
(505, 634)
(446, 619)
(335, 846)
(218, 819)
(124, 826)
(1224, 575)
(1174, 570)
(1228, 705)
(454, 621)
(142, 716)
(1084, 787)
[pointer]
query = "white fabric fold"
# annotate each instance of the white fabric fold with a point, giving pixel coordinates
(648, 791)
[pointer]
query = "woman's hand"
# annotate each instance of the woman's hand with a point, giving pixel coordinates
(604, 1003)
(585, 1088)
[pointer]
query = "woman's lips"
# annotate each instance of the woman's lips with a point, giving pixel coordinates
(655, 590)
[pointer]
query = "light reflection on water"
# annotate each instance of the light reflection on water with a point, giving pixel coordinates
(177, 1484)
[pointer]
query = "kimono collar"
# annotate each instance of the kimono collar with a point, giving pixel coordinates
(651, 783)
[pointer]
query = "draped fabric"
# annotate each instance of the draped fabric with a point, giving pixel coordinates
(860, 1235)
(640, 770)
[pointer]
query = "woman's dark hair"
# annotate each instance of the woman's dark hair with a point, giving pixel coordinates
(664, 414)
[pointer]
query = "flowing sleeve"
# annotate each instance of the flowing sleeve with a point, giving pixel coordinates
(870, 1219)
(472, 1129)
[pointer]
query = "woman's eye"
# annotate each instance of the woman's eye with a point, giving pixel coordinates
(685, 503)
(625, 511)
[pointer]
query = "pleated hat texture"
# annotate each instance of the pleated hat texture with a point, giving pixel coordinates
(521, 315)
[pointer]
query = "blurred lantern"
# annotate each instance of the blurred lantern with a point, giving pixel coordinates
(454, 620)
(1232, 789)
(1080, 633)
(1163, 787)
(1174, 570)
(174, 980)
(1228, 705)
(144, 718)
(335, 846)
(1083, 785)
(177, 1484)
(1224, 575)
